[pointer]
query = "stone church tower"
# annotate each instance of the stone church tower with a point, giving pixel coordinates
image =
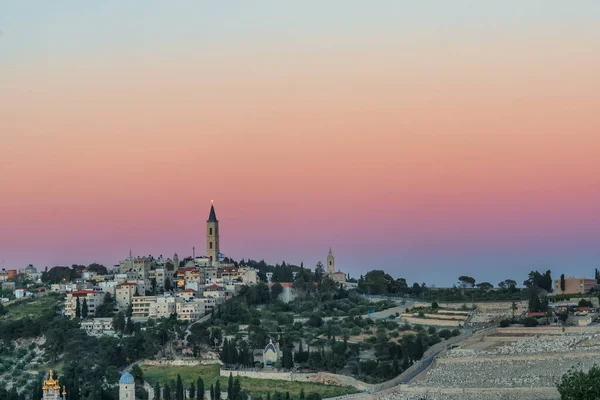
(126, 387)
(330, 262)
(212, 236)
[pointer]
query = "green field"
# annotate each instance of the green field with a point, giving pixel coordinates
(33, 307)
(210, 374)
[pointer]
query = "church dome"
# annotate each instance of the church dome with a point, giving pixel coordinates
(126, 379)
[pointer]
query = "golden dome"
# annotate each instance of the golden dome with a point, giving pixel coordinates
(51, 383)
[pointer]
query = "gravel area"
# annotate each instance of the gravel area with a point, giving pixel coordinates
(502, 373)
(500, 395)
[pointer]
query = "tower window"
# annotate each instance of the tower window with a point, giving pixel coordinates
(210, 245)
(210, 231)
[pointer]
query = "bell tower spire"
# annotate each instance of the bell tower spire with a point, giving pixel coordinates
(330, 262)
(212, 235)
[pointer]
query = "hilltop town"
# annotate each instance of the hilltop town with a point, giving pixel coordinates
(184, 328)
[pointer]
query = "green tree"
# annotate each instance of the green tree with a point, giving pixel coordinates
(237, 389)
(562, 283)
(276, 290)
(200, 389)
(302, 395)
(179, 388)
(119, 322)
(167, 392)
(466, 281)
(168, 285)
(230, 386)
(84, 309)
(212, 392)
(580, 385)
(192, 392)
(138, 374)
(77, 308)
(128, 327)
(218, 390)
(157, 391)
(585, 303)
(106, 309)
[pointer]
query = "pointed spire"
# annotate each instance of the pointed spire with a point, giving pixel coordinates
(212, 217)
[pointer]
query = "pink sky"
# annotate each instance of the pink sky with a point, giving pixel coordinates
(416, 154)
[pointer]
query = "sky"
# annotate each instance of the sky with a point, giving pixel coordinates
(430, 139)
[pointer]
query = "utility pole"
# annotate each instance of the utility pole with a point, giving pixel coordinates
(194, 252)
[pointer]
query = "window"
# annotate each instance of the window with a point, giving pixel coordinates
(210, 231)
(210, 245)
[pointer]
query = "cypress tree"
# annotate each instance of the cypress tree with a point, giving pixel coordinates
(225, 352)
(230, 387)
(167, 391)
(268, 396)
(287, 395)
(128, 326)
(237, 389)
(77, 308)
(84, 309)
(200, 389)
(192, 391)
(302, 395)
(218, 390)
(157, 391)
(179, 388)
(212, 392)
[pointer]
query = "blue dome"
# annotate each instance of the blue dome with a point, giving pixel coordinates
(126, 379)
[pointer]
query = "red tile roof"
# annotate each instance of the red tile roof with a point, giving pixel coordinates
(82, 292)
(214, 287)
(535, 314)
(188, 291)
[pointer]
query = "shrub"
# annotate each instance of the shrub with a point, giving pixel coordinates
(445, 334)
(433, 340)
(585, 303)
(529, 322)
(406, 327)
(431, 330)
(434, 305)
(504, 323)
(455, 332)
(579, 385)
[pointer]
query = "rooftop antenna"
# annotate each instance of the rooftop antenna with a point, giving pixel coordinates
(194, 252)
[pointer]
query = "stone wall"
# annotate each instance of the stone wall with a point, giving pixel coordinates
(324, 378)
(546, 330)
(181, 363)
(431, 321)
